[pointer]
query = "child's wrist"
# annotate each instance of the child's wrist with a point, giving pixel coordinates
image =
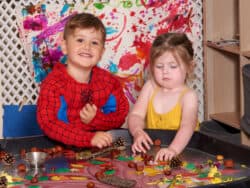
(173, 150)
(137, 131)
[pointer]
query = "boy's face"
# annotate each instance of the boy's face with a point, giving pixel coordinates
(84, 48)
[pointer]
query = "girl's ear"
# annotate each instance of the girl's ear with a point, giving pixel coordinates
(190, 73)
(192, 66)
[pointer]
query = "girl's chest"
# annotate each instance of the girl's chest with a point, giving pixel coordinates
(163, 103)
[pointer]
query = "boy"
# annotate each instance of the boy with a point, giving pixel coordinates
(78, 101)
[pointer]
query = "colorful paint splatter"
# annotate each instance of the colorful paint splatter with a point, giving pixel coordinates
(131, 26)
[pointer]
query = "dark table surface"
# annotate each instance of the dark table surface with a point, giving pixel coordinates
(200, 141)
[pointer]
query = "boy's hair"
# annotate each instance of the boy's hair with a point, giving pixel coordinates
(82, 21)
(178, 44)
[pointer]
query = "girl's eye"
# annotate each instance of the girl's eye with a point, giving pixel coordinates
(173, 66)
(159, 66)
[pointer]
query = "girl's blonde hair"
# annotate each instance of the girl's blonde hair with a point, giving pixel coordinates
(176, 43)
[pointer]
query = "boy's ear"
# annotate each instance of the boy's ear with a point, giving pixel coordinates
(63, 44)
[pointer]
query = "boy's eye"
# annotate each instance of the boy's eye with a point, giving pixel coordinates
(95, 42)
(79, 40)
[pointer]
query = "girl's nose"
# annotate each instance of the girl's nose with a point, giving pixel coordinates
(165, 69)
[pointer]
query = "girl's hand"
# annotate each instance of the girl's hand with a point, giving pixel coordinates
(142, 142)
(165, 154)
(88, 113)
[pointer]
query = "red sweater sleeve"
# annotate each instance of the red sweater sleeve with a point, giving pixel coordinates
(47, 107)
(114, 119)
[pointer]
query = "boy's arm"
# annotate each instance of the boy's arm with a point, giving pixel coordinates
(111, 120)
(47, 116)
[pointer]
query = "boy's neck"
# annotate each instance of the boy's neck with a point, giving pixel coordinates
(80, 75)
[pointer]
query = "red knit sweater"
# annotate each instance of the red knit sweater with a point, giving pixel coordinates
(59, 85)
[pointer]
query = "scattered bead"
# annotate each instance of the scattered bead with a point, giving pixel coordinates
(21, 167)
(229, 163)
(34, 179)
(139, 166)
(131, 164)
(219, 157)
(167, 172)
(90, 184)
(157, 142)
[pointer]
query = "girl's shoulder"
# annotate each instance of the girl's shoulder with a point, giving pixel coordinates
(189, 95)
(149, 87)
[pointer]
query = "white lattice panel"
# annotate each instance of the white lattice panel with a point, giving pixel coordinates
(17, 82)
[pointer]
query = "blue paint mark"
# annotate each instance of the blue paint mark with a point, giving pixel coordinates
(110, 105)
(110, 30)
(62, 112)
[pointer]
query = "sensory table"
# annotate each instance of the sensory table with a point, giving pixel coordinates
(206, 162)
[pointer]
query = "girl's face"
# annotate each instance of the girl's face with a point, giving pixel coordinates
(84, 48)
(169, 73)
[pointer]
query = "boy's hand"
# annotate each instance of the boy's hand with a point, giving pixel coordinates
(165, 154)
(142, 142)
(88, 113)
(101, 139)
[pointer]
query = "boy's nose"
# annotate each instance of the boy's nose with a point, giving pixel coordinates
(86, 45)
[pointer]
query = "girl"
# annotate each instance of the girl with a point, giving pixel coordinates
(166, 102)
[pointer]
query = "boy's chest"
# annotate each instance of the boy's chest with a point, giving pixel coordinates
(78, 97)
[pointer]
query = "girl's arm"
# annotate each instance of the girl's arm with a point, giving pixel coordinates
(136, 121)
(136, 118)
(188, 122)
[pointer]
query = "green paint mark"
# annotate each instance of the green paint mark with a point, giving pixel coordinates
(127, 4)
(62, 170)
(96, 162)
(99, 5)
(28, 177)
(203, 175)
(34, 186)
(110, 172)
(43, 178)
(123, 158)
(190, 166)
(15, 183)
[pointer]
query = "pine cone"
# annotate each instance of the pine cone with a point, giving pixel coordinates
(7, 158)
(175, 162)
(3, 182)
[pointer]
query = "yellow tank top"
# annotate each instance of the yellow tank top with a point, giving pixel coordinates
(170, 120)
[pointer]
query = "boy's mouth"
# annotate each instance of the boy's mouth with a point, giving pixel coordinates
(85, 54)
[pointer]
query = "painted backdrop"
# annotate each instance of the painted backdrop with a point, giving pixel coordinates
(131, 26)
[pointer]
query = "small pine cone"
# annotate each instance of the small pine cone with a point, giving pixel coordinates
(3, 182)
(175, 162)
(119, 142)
(7, 158)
